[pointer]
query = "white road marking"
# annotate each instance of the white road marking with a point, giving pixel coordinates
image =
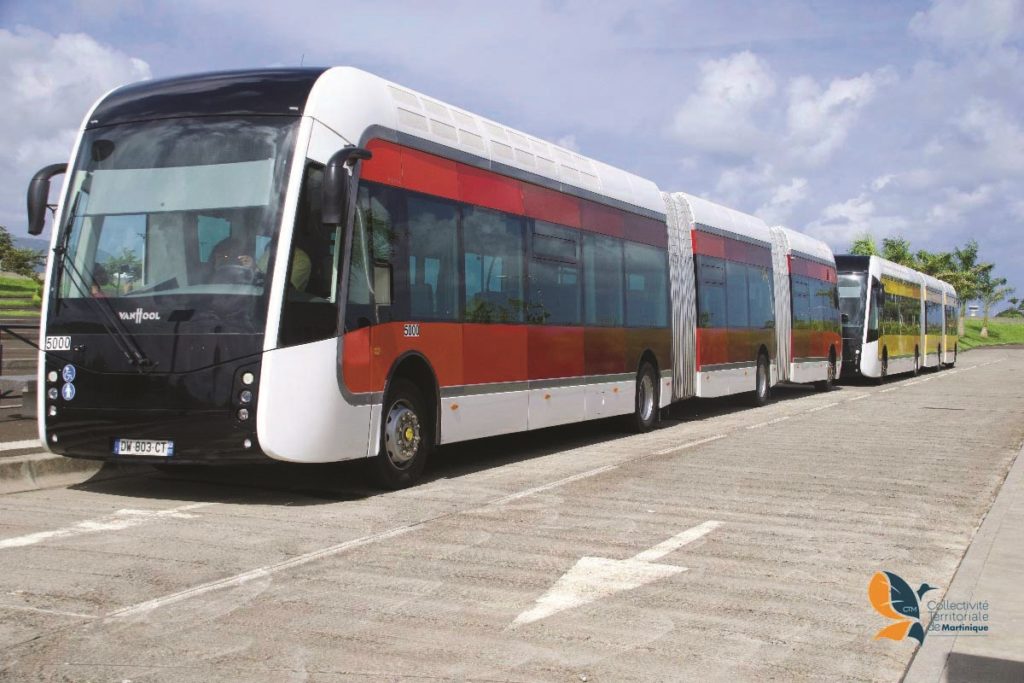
(20, 445)
(698, 442)
(857, 398)
(555, 484)
(827, 405)
(122, 519)
(886, 391)
(259, 572)
(40, 610)
(593, 578)
(769, 422)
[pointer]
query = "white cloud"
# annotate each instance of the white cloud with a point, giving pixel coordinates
(49, 82)
(994, 134)
(957, 204)
(842, 222)
(719, 116)
(819, 120)
(783, 200)
(959, 24)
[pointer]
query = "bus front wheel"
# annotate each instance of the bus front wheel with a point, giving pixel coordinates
(405, 437)
(829, 382)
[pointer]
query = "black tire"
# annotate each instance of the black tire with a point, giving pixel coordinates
(762, 381)
(829, 383)
(645, 404)
(917, 363)
(885, 367)
(406, 437)
(956, 348)
(940, 364)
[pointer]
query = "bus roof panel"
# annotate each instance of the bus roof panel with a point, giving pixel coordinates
(356, 103)
(805, 245)
(728, 220)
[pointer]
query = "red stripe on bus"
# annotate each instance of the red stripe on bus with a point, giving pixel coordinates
(482, 188)
(812, 269)
(431, 174)
(476, 353)
(718, 345)
(718, 246)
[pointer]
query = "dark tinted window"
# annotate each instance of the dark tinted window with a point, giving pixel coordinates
(603, 268)
(710, 291)
(646, 286)
(493, 256)
(433, 260)
(736, 295)
(554, 276)
(759, 290)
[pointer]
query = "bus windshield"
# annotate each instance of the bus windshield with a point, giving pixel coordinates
(180, 208)
(852, 297)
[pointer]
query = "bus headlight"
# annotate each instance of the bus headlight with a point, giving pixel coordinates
(243, 414)
(52, 394)
(245, 396)
(51, 376)
(248, 378)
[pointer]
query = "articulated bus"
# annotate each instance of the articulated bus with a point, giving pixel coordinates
(314, 265)
(895, 319)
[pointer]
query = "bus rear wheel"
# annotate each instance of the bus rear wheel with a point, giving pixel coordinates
(762, 381)
(885, 367)
(645, 412)
(917, 364)
(405, 439)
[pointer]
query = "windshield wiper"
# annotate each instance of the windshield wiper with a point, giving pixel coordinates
(126, 343)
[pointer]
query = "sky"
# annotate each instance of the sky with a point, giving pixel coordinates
(833, 118)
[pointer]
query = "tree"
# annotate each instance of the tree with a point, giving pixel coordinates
(20, 261)
(991, 291)
(897, 250)
(864, 246)
(933, 263)
(966, 276)
(125, 267)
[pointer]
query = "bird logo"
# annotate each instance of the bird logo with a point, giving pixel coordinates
(893, 598)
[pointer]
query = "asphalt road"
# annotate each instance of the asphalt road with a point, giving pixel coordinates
(780, 516)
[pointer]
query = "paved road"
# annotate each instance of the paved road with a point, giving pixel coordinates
(278, 574)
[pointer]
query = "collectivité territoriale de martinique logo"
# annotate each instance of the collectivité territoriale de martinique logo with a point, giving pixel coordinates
(892, 597)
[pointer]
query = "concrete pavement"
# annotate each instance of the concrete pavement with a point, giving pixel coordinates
(305, 574)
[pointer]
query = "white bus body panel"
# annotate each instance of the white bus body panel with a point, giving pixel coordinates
(301, 415)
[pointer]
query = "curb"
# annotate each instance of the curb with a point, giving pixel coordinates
(929, 663)
(41, 470)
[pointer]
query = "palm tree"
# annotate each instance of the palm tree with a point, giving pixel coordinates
(897, 250)
(864, 246)
(991, 291)
(966, 275)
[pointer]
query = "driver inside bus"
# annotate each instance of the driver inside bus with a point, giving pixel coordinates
(230, 255)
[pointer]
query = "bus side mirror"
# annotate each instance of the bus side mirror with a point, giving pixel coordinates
(845, 318)
(38, 193)
(336, 183)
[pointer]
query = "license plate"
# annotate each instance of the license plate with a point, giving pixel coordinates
(161, 449)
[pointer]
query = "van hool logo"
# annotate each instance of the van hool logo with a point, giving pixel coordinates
(892, 597)
(138, 315)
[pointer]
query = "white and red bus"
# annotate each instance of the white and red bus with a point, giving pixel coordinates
(316, 265)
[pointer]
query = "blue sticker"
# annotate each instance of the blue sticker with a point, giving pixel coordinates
(68, 391)
(68, 373)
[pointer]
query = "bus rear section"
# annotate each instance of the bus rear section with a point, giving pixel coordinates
(808, 330)
(723, 312)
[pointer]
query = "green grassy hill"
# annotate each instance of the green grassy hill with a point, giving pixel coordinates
(1000, 331)
(19, 297)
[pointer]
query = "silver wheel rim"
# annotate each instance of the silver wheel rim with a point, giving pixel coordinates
(401, 434)
(762, 380)
(646, 397)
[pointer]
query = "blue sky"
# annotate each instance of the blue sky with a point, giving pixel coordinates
(834, 118)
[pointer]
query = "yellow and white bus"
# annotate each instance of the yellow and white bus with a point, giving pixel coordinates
(895, 319)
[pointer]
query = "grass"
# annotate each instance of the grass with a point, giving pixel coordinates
(1000, 331)
(19, 297)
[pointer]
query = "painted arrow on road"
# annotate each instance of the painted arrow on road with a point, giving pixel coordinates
(593, 578)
